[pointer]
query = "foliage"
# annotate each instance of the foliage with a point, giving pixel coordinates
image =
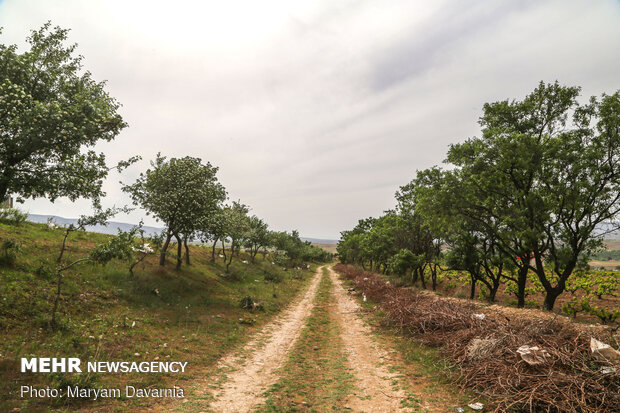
(12, 216)
(99, 217)
(526, 197)
(404, 261)
(8, 252)
(51, 111)
(183, 193)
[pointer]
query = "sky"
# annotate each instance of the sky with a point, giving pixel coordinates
(316, 111)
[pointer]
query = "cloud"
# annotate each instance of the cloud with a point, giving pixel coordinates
(317, 111)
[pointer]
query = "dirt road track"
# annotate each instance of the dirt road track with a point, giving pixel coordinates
(249, 378)
(367, 359)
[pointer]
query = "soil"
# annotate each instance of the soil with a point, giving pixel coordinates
(250, 376)
(379, 387)
(367, 359)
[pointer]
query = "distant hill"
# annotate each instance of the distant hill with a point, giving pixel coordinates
(320, 241)
(113, 227)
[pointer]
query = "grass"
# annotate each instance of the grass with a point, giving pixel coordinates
(105, 314)
(316, 377)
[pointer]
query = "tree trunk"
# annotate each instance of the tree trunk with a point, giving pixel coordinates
(213, 250)
(472, 292)
(162, 255)
(223, 250)
(493, 291)
(179, 252)
(64, 243)
(186, 251)
(56, 300)
(231, 256)
(550, 298)
(7, 174)
(434, 277)
(422, 278)
(521, 284)
(414, 276)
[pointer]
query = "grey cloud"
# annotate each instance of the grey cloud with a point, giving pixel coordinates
(316, 112)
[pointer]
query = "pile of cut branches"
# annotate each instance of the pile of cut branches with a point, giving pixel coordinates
(483, 350)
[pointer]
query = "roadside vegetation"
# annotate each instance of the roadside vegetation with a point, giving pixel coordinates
(511, 362)
(518, 212)
(195, 314)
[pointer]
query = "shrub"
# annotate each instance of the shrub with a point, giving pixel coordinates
(247, 303)
(45, 271)
(576, 305)
(12, 216)
(604, 315)
(8, 252)
(274, 277)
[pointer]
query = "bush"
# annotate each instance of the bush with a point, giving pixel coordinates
(12, 216)
(247, 303)
(45, 271)
(274, 277)
(604, 315)
(8, 252)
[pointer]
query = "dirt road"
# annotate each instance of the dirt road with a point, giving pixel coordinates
(368, 360)
(243, 388)
(375, 388)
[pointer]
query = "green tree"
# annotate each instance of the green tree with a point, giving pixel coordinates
(237, 227)
(257, 237)
(183, 193)
(404, 261)
(50, 112)
(543, 176)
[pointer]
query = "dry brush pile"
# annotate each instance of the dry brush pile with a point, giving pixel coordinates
(564, 376)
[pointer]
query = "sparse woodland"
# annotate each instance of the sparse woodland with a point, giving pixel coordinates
(515, 215)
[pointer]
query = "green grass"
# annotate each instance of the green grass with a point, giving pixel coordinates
(316, 377)
(189, 315)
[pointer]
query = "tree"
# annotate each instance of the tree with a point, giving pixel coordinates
(99, 217)
(544, 185)
(50, 112)
(183, 193)
(118, 247)
(237, 226)
(439, 198)
(404, 261)
(257, 237)
(213, 230)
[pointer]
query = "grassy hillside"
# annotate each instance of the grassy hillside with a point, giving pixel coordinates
(189, 315)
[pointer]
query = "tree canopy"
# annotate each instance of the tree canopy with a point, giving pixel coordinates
(528, 195)
(51, 113)
(183, 193)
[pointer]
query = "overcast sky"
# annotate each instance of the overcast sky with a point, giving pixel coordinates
(317, 111)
